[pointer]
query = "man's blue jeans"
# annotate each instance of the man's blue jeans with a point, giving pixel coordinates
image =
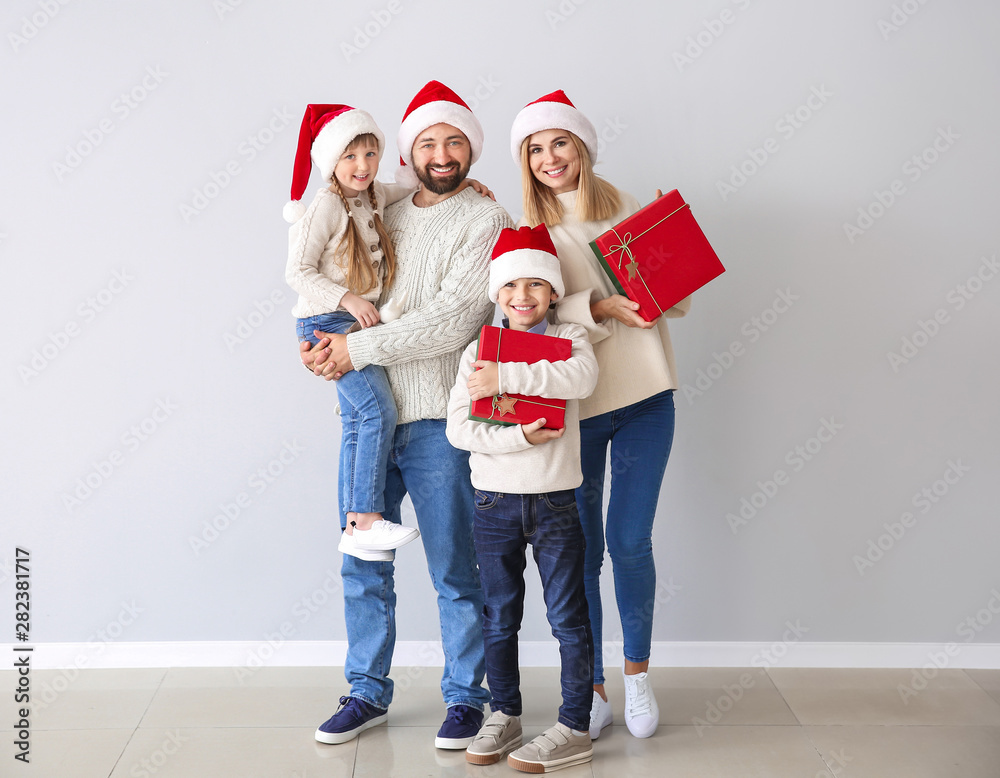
(640, 436)
(505, 524)
(367, 420)
(436, 475)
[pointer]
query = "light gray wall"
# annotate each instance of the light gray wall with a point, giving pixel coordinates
(205, 79)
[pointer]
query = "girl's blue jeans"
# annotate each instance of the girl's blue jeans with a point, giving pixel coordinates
(367, 418)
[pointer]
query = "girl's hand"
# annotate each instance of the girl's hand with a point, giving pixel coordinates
(621, 308)
(659, 194)
(485, 381)
(535, 434)
(481, 188)
(360, 309)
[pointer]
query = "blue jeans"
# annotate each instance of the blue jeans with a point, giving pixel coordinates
(367, 418)
(505, 524)
(436, 475)
(640, 436)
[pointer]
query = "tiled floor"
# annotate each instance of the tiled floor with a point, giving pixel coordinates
(714, 723)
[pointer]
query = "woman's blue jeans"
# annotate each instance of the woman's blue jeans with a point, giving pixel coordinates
(640, 436)
(505, 524)
(367, 419)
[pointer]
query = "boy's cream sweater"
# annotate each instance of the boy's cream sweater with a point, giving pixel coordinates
(502, 459)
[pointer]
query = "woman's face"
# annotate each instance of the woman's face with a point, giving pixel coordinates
(554, 160)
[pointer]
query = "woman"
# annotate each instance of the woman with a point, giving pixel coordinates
(632, 408)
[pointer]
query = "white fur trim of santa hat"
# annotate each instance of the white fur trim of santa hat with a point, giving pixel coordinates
(524, 253)
(553, 111)
(337, 135)
(435, 104)
(326, 132)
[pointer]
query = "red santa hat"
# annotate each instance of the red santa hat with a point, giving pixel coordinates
(553, 111)
(524, 253)
(434, 104)
(326, 132)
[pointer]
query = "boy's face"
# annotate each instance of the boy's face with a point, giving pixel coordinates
(524, 301)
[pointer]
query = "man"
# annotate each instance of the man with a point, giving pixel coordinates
(443, 237)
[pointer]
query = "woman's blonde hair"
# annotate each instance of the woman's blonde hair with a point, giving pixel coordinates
(360, 276)
(596, 199)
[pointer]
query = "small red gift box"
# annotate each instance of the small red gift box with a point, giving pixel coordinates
(498, 344)
(658, 255)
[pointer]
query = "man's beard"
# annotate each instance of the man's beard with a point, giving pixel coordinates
(439, 185)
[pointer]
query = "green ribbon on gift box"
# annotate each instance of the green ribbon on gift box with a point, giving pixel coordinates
(633, 266)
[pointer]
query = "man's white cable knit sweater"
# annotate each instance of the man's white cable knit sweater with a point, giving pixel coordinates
(443, 254)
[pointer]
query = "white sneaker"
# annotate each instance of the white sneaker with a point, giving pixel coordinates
(348, 546)
(641, 712)
(600, 716)
(384, 536)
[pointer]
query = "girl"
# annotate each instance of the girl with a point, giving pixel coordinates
(339, 258)
(632, 408)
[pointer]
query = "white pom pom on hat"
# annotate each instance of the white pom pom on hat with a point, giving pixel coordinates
(524, 253)
(553, 111)
(434, 104)
(326, 132)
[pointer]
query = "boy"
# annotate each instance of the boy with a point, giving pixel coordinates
(525, 476)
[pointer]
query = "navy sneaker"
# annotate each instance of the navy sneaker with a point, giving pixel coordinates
(353, 718)
(460, 728)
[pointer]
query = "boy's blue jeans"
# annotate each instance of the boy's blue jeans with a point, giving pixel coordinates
(504, 525)
(368, 420)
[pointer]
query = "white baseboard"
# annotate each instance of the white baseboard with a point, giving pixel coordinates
(277, 652)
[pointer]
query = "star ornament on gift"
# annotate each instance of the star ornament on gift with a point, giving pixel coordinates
(504, 404)
(633, 269)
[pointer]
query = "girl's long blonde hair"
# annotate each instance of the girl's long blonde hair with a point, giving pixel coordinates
(360, 275)
(596, 199)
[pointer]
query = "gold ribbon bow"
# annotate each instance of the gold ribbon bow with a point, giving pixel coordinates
(623, 247)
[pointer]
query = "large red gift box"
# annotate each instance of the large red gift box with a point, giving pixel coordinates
(498, 344)
(658, 255)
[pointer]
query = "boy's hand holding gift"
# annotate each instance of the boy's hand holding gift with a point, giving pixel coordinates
(485, 382)
(508, 346)
(536, 433)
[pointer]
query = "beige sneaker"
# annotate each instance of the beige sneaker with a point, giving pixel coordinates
(555, 748)
(499, 734)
